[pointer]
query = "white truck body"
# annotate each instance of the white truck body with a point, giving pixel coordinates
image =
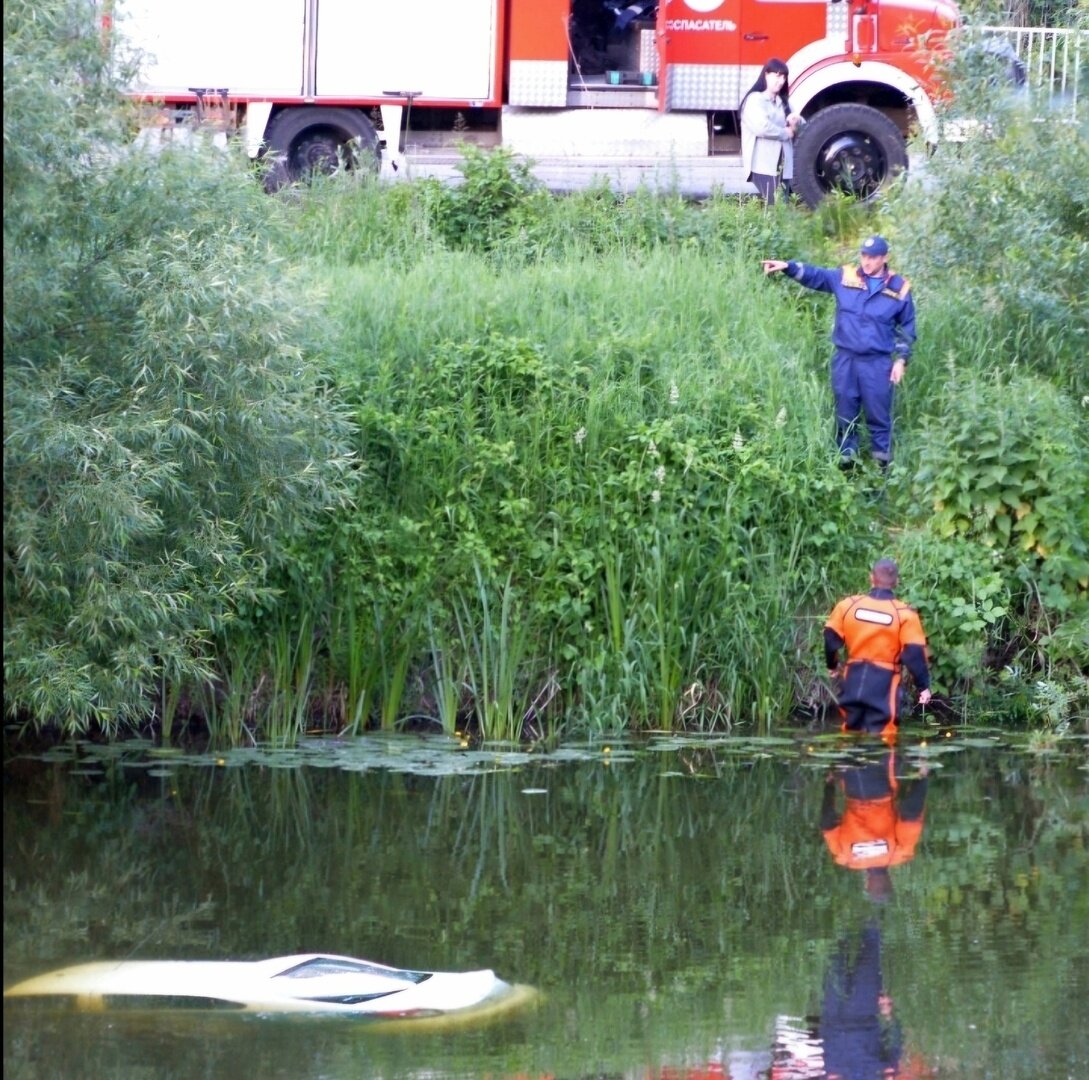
(299, 50)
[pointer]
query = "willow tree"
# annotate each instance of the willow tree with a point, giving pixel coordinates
(167, 436)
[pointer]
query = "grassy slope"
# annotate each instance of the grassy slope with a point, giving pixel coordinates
(598, 459)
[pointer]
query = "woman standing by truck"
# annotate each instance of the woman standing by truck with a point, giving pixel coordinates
(768, 128)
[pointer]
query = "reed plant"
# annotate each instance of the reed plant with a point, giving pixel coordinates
(446, 684)
(395, 675)
(494, 643)
(170, 692)
(291, 678)
(372, 649)
(349, 640)
(226, 704)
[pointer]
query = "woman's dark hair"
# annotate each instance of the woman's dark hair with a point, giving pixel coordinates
(761, 84)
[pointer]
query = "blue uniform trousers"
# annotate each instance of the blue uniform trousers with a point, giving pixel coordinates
(861, 387)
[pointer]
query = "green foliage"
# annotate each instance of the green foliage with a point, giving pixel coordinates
(1005, 544)
(1025, 12)
(485, 209)
(1004, 464)
(351, 218)
(995, 235)
(957, 586)
(1054, 706)
(998, 234)
(61, 113)
(644, 528)
(165, 436)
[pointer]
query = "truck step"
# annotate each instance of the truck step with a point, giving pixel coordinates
(604, 133)
(694, 177)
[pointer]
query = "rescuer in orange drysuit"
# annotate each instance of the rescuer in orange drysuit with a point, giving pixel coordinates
(880, 634)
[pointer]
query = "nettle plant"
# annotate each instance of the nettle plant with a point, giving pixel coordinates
(958, 587)
(1004, 464)
(1006, 544)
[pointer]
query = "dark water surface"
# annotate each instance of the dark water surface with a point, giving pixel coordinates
(677, 904)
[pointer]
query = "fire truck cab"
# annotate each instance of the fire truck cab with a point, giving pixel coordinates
(315, 82)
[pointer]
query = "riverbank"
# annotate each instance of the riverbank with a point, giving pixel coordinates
(483, 458)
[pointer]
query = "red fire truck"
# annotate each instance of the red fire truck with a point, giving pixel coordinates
(309, 83)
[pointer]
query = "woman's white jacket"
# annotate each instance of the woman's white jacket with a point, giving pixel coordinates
(764, 136)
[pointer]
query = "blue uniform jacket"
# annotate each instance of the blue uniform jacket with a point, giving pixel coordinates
(878, 324)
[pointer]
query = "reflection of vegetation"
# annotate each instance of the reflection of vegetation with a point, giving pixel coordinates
(83, 919)
(999, 888)
(105, 895)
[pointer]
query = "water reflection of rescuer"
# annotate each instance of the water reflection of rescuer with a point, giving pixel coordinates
(879, 827)
(881, 634)
(861, 1035)
(880, 823)
(857, 1035)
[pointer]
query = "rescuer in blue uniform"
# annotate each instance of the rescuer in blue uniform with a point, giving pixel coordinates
(873, 334)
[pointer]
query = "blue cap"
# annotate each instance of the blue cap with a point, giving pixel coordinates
(875, 245)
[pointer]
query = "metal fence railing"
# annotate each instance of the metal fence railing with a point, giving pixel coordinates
(1055, 62)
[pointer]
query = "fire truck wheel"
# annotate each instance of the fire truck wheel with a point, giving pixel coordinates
(305, 141)
(849, 148)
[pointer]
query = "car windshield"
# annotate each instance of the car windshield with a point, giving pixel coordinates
(336, 965)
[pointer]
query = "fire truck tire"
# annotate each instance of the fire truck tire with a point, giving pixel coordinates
(304, 141)
(849, 148)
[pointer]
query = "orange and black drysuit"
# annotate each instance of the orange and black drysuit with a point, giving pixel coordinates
(880, 634)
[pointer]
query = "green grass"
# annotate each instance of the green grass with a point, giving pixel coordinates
(607, 469)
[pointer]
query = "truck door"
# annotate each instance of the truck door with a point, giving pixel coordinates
(698, 54)
(213, 45)
(541, 44)
(780, 28)
(440, 50)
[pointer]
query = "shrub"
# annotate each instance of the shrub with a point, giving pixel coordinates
(483, 211)
(165, 437)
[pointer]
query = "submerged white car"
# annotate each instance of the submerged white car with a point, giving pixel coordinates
(305, 983)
